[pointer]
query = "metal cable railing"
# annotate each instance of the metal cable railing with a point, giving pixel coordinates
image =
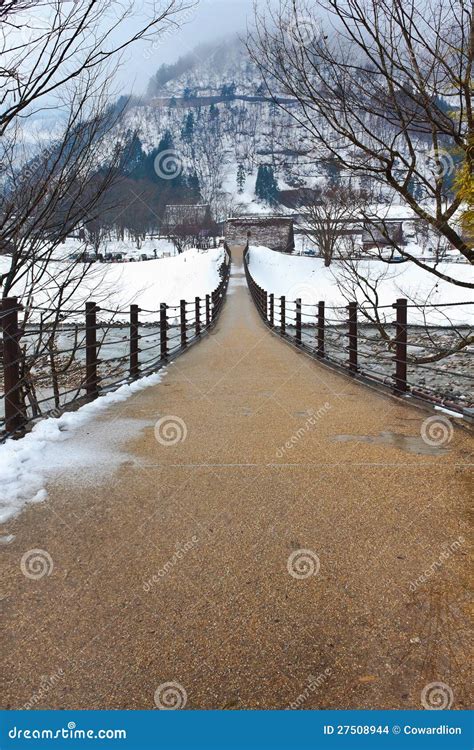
(340, 342)
(42, 365)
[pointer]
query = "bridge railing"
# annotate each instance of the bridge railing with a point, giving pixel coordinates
(51, 362)
(341, 337)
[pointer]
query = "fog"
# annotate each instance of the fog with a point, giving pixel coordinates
(210, 19)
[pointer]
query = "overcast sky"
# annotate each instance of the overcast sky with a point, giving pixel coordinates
(210, 19)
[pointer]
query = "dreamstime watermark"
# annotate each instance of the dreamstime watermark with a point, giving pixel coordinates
(36, 564)
(314, 684)
(444, 556)
(40, 166)
(303, 291)
(181, 552)
(437, 431)
(437, 696)
(185, 15)
(303, 430)
(71, 732)
(170, 696)
(303, 563)
(168, 164)
(170, 431)
(439, 162)
(301, 31)
(47, 683)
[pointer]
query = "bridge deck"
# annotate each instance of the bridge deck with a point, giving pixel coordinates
(256, 481)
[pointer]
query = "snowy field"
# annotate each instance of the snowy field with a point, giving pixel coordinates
(194, 273)
(307, 278)
(127, 248)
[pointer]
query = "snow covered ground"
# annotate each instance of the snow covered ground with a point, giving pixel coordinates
(26, 464)
(127, 248)
(308, 279)
(22, 463)
(194, 273)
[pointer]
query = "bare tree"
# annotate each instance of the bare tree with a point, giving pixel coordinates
(357, 281)
(385, 87)
(57, 190)
(48, 45)
(331, 217)
(62, 56)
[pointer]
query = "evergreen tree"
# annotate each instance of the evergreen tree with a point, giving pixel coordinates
(272, 186)
(241, 178)
(188, 128)
(266, 187)
(228, 91)
(135, 157)
(260, 183)
(163, 164)
(194, 188)
(333, 171)
(415, 189)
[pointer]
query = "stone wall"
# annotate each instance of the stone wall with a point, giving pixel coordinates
(277, 234)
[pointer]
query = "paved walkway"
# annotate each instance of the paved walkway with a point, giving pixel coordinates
(261, 476)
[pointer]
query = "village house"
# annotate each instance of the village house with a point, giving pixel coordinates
(379, 235)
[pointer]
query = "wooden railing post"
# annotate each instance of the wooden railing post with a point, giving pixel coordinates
(208, 310)
(272, 310)
(134, 338)
(321, 316)
(401, 345)
(15, 414)
(298, 321)
(163, 330)
(198, 316)
(92, 380)
(282, 314)
(265, 304)
(353, 337)
(182, 309)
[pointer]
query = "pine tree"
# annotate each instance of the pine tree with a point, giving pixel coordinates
(266, 187)
(272, 186)
(260, 183)
(187, 132)
(194, 188)
(241, 178)
(133, 164)
(163, 164)
(415, 189)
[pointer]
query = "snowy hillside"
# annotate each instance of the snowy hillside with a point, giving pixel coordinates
(220, 116)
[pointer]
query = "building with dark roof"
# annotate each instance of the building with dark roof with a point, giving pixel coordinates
(382, 234)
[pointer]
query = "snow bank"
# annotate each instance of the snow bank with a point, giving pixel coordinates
(308, 279)
(24, 463)
(163, 248)
(194, 273)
